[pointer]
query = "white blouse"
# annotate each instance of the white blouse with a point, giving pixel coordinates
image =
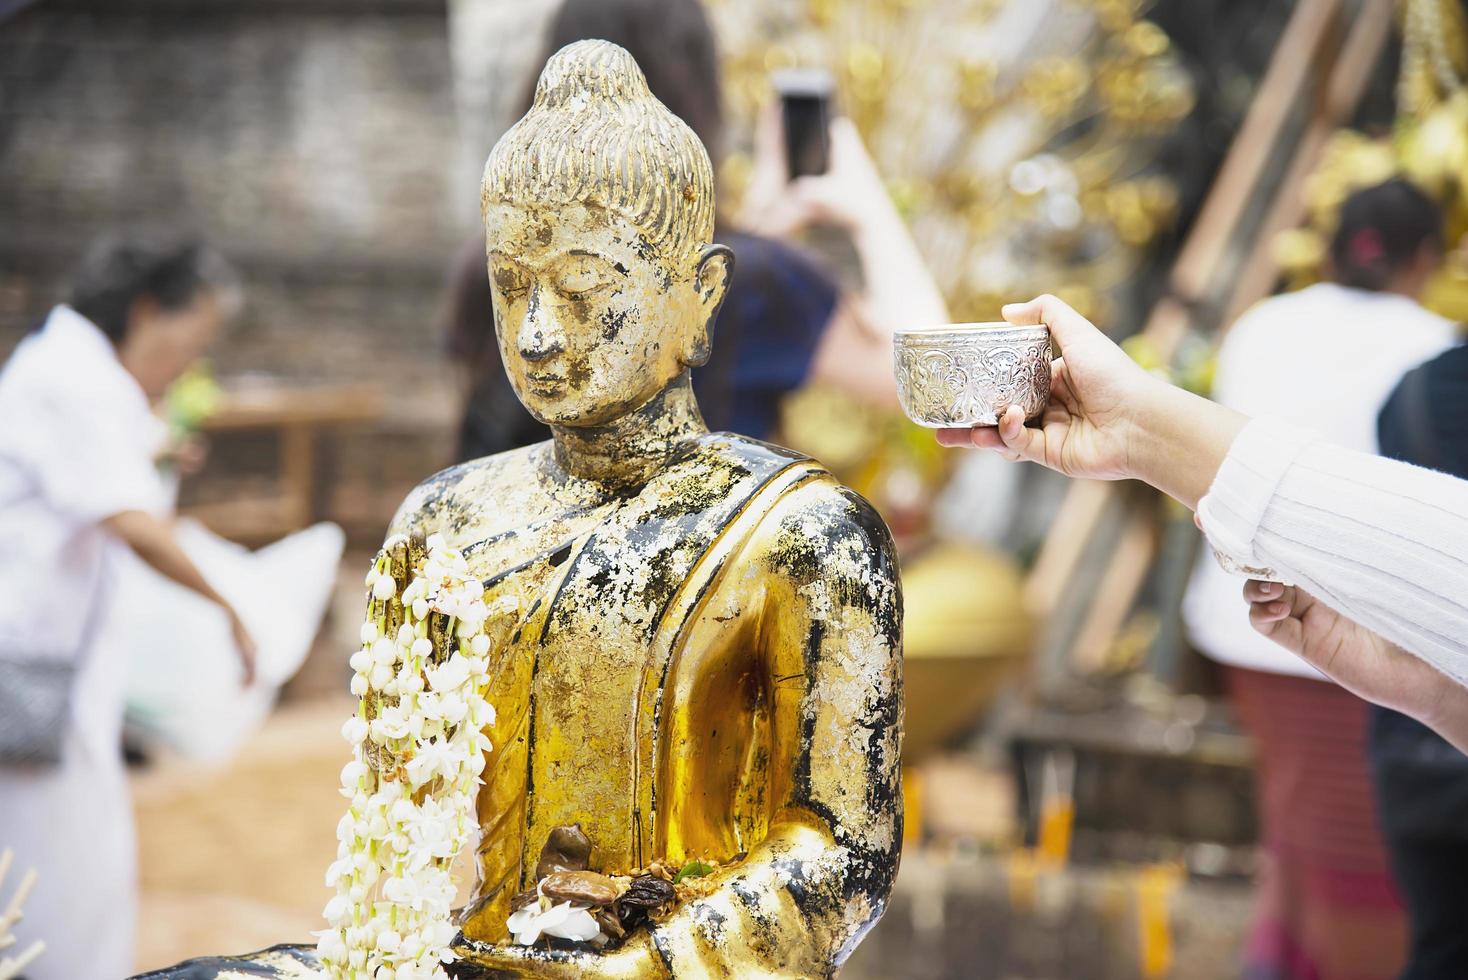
(1382, 542)
(77, 445)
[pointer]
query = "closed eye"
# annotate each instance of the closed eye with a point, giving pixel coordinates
(510, 278)
(582, 275)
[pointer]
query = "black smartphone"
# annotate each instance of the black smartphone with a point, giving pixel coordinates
(806, 96)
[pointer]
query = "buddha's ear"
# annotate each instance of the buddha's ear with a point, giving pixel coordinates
(715, 270)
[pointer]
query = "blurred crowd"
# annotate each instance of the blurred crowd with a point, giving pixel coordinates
(1363, 810)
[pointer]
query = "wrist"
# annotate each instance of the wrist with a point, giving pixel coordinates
(1178, 440)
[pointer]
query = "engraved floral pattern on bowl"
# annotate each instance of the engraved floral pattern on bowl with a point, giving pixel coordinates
(970, 373)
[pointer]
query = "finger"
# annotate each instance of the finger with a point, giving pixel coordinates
(953, 438)
(769, 139)
(984, 437)
(1269, 612)
(1287, 631)
(785, 216)
(1258, 590)
(1025, 443)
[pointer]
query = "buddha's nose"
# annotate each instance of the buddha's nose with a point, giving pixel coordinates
(540, 336)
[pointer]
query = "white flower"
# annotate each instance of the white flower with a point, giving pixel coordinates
(361, 661)
(434, 759)
(423, 648)
(479, 646)
(564, 921)
(381, 676)
(441, 935)
(383, 587)
(392, 723)
(331, 944)
(451, 675)
(359, 685)
(384, 652)
(353, 773)
(336, 871)
(337, 910)
(354, 729)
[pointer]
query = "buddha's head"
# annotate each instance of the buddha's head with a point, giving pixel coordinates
(598, 216)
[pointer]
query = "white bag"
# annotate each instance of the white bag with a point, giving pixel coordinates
(184, 674)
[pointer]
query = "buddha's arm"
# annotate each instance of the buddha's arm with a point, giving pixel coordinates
(830, 635)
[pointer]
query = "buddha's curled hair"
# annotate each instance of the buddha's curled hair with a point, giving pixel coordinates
(595, 134)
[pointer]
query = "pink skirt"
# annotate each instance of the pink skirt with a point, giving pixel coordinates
(1326, 906)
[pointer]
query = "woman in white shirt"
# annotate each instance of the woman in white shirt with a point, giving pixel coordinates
(78, 482)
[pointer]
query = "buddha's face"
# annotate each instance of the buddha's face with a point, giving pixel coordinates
(592, 323)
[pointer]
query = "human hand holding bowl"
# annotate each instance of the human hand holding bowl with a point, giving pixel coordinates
(1106, 418)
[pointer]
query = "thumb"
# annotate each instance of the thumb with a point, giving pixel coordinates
(1066, 325)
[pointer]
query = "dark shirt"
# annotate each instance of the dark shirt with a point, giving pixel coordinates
(779, 304)
(1425, 779)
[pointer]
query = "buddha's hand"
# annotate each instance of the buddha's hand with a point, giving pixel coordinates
(1107, 419)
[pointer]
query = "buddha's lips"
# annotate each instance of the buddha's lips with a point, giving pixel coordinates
(546, 384)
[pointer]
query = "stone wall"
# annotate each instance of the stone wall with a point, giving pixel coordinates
(314, 141)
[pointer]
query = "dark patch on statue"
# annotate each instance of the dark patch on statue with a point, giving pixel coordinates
(612, 322)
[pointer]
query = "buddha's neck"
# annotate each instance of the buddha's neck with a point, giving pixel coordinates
(628, 451)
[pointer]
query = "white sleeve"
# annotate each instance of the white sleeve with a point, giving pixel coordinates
(96, 464)
(1383, 542)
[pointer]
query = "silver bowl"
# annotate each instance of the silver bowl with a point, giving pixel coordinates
(967, 374)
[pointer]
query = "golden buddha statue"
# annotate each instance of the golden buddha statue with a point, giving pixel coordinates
(706, 662)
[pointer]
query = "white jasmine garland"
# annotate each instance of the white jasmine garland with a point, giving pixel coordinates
(418, 747)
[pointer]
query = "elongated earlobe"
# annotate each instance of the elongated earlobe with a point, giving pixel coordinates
(715, 271)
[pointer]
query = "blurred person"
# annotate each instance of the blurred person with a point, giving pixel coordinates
(1420, 778)
(1385, 542)
(785, 322)
(78, 485)
(1326, 901)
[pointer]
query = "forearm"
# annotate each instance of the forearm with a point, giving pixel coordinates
(851, 357)
(1180, 441)
(152, 540)
(900, 291)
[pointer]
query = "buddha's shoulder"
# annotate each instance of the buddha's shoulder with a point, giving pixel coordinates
(452, 489)
(815, 518)
(727, 450)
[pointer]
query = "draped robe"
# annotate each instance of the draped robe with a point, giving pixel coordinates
(708, 668)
